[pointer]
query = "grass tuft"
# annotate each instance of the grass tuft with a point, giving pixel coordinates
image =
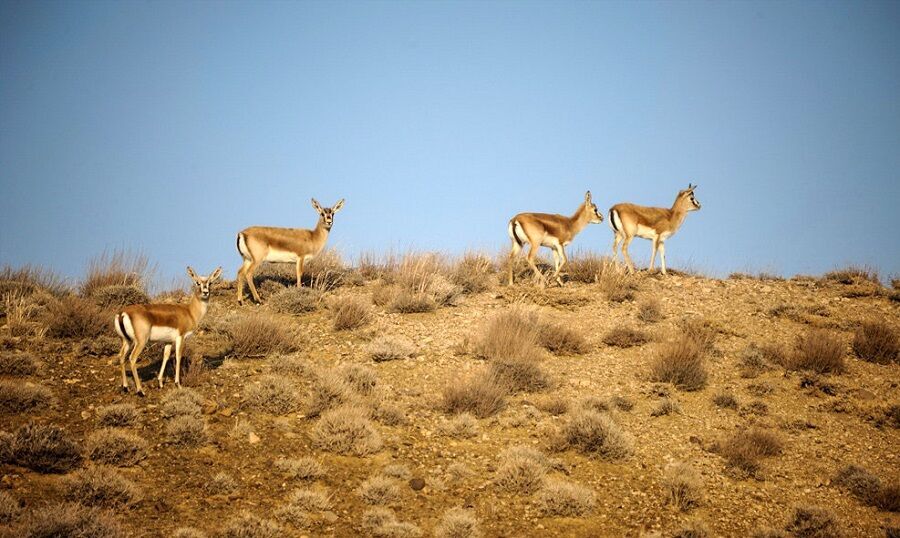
(390, 348)
(43, 448)
(381, 522)
(595, 434)
(18, 397)
(117, 415)
(561, 498)
(681, 363)
(17, 364)
(346, 430)
(74, 317)
(258, 335)
(247, 525)
(684, 487)
(813, 522)
(115, 447)
(745, 449)
(457, 523)
(818, 351)
(380, 490)
(186, 431)
(877, 342)
(71, 520)
(480, 394)
(273, 394)
(626, 337)
(349, 313)
(100, 486)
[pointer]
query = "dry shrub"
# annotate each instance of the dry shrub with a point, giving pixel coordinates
(119, 295)
(296, 300)
(349, 313)
(595, 434)
(621, 403)
(397, 470)
(616, 284)
(258, 335)
(521, 470)
(561, 339)
(71, 520)
(43, 448)
(180, 401)
(383, 294)
(681, 363)
(328, 391)
(481, 395)
(726, 400)
(389, 348)
(813, 522)
(877, 342)
(361, 379)
(868, 488)
(221, 483)
(100, 486)
(18, 397)
(746, 448)
(328, 271)
(626, 337)
(555, 405)
(507, 334)
(407, 302)
(521, 373)
(381, 522)
(346, 430)
(425, 274)
(380, 490)
(474, 273)
(462, 426)
(186, 430)
(458, 523)
(561, 498)
(768, 532)
(30, 279)
(819, 351)
(588, 267)
(692, 529)
(650, 311)
(17, 364)
(120, 268)
(853, 275)
(74, 317)
(683, 485)
(195, 371)
(273, 394)
(188, 532)
(310, 499)
(9, 508)
(23, 313)
(247, 525)
(115, 447)
(117, 415)
(304, 468)
(666, 406)
(292, 366)
(701, 331)
(755, 360)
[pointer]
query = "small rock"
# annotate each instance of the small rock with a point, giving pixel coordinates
(417, 483)
(227, 411)
(253, 438)
(694, 439)
(329, 516)
(210, 407)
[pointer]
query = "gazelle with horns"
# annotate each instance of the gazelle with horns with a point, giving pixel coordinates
(169, 323)
(259, 244)
(552, 231)
(654, 223)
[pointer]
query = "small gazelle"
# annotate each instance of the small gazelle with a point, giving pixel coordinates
(259, 244)
(654, 223)
(549, 230)
(169, 323)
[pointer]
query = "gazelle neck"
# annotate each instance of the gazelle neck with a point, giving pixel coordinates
(321, 228)
(198, 307)
(580, 219)
(678, 213)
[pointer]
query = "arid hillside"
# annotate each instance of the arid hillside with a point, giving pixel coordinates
(421, 396)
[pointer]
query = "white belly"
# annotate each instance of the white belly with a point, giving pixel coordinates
(163, 334)
(551, 242)
(645, 231)
(281, 256)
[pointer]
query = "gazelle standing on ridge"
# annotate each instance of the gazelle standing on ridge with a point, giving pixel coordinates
(259, 244)
(169, 323)
(654, 223)
(553, 231)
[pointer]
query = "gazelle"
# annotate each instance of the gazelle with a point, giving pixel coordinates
(259, 244)
(654, 223)
(169, 323)
(553, 231)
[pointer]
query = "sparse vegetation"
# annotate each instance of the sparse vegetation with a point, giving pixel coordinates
(180, 401)
(74, 317)
(304, 468)
(119, 268)
(683, 486)
(818, 351)
(561, 498)
(380, 490)
(813, 522)
(650, 311)
(561, 339)
(43, 448)
(71, 520)
(246, 525)
(258, 335)
(100, 486)
(868, 488)
(381, 522)
(745, 449)
(117, 415)
(666, 406)
(115, 447)
(725, 400)
(480, 394)
(18, 397)
(349, 313)
(853, 275)
(315, 499)
(186, 430)
(390, 348)
(17, 364)
(877, 342)
(457, 523)
(462, 426)
(294, 300)
(273, 394)
(595, 434)
(681, 363)
(346, 430)
(522, 373)
(474, 273)
(626, 337)
(692, 529)
(119, 295)
(521, 470)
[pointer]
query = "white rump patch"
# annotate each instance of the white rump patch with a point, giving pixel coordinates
(129, 328)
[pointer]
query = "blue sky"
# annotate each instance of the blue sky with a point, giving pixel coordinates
(166, 127)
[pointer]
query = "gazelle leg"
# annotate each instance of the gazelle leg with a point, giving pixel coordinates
(513, 256)
(565, 261)
(299, 270)
(616, 239)
(625, 254)
(248, 274)
(662, 256)
(126, 346)
(162, 369)
(135, 353)
(241, 275)
(532, 253)
(179, 344)
(653, 254)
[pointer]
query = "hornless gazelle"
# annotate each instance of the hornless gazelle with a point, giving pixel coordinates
(553, 231)
(169, 323)
(654, 223)
(259, 244)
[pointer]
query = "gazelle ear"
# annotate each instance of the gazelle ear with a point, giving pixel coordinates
(191, 273)
(587, 197)
(337, 207)
(215, 275)
(316, 205)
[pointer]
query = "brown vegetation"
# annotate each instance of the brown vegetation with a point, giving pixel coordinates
(626, 337)
(43, 448)
(74, 317)
(813, 522)
(389, 348)
(346, 430)
(100, 486)
(273, 394)
(18, 397)
(115, 447)
(681, 363)
(594, 434)
(17, 364)
(258, 335)
(818, 351)
(350, 313)
(683, 486)
(745, 449)
(650, 311)
(877, 342)
(294, 300)
(480, 394)
(562, 498)
(70, 520)
(458, 523)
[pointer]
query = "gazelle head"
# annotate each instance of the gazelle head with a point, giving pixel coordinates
(202, 283)
(686, 199)
(326, 214)
(591, 208)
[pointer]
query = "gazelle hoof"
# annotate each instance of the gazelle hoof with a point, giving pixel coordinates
(125, 390)
(140, 394)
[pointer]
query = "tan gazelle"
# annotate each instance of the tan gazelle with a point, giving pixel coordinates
(654, 223)
(553, 231)
(259, 244)
(170, 323)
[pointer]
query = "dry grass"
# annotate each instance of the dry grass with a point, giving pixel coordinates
(390, 348)
(626, 337)
(258, 335)
(361, 379)
(666, 406)
(381, 522)
(508, 334)
(70, 520)
(117, 415)
(683, 485)
(273, 394)
(480, 394)
(220, 483)
(877, 342)
(462, 426)
(294, 300)
(291, 366)
(346, 430)
(115, 447)
(521, 373)
(23, 313)
(756, 359)
(595, 434)
(458, 523)
(74, 317)
(650, 311)
(180, 401)
(194, 372)
(119, 268)
(188, 532)
(349, 313)
(588, 267)
(561, 339)
(555, 405)
(726, 400)
(31, 279)
(17, 364)
(692, 529)
(304, 468)
(186, 430)
(818, 351)
(813, 522)
(247, 525)
(328, 391)
(315, 499)
(9, 508)
(853, 275)
(407, 302)
(18, 397)
(521, 470)
(119, 295)
(380, 490)
(701, 331)
(474, 273)
(868, 488)
(43, 448)
(562, 498)
(745, 449)
(100, 486)
(681, 363)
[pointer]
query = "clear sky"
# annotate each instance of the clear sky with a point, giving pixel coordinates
(166, 127)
